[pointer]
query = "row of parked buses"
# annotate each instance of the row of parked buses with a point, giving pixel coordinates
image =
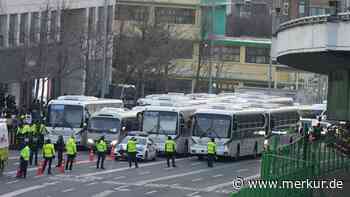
(239, 123)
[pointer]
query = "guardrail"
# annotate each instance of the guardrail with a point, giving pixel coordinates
(314, 20)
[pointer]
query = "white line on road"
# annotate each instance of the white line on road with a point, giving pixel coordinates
(218, 175)
(126, 168)
(196, 164)
(192, 194)
(12, 182)
(68, 190)
(122, 188)
(221, 185)
(144, 173)
(196, 180)
(92, 183)
(140, 183)
(242, 170)
(119, 177)
(104, 193)
(151, 192)
(28, 189)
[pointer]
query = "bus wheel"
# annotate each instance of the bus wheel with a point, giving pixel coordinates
(238, 151)
(200, 157)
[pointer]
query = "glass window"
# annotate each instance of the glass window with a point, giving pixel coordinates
(132, 13)
(104, 124)
(257, 55)
(34, 27)
(53, 25)
(212, 125)
(160, 122)
(23, 28)
(226, 53)
(139, 140)
(13, 29)
(65, 116)
(3, 22)
(175, 15)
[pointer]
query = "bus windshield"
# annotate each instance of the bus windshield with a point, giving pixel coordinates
(212, 125)
(160, 122)
(101, 124)
(70, 116)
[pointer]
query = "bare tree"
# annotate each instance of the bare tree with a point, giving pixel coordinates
(145, 51)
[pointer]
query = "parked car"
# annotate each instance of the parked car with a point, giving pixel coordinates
(146, 148)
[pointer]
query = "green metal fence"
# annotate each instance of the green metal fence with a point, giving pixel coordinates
(300, 161)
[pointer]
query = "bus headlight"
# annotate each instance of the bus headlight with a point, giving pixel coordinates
(114, 142)
(90, 141)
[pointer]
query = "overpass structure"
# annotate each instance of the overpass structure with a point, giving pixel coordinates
(320, 44)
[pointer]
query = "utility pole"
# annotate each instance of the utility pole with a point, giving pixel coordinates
(212, 30)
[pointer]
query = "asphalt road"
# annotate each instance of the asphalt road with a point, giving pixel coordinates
(191, 178)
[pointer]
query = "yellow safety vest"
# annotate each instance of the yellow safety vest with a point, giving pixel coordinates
(101, 146)
(170, 146)
(25, 153)
(211, 148)
(131, 146)
(71, 147)
(48, 150)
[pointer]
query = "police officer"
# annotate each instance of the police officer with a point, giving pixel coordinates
(60, 149)
(211, 152)
(170, 148)
(101, 147)
(48, 155)
(34, 144)
(20, 136)
(132, 150)
(71, 148)
(25, 153)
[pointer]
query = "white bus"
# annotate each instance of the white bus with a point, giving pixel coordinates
(161, 121)
(68, 115)
(236, 132)
(112, 123)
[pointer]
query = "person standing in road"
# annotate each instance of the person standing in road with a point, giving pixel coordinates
(101, 147)
(25, 154)
(170, 149)
(48, 155)
(71, 148)
(132, 151)
(60, 149)
(34, 144)
(211, 152)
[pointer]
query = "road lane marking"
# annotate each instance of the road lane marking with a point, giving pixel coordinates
(126, 168)
(192, 194)
(28, 189)
(140, 183)
(242, 170)
(196, 164)
(119, 177)
(104, 193)
(144, 173)
(68, 190)
(93, 183)
(196, 180)
(122, 188)
(12, 182)
(218, 175)
(221, 185)
(151, 192)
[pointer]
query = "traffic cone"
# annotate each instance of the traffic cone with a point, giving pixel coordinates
(19, 173)
(91, 155)
(111, 154)
(39, 171)
(61, 167)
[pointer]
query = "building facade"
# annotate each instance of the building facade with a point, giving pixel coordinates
(53, 41)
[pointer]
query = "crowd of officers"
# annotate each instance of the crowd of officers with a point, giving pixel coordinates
(49, 153)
